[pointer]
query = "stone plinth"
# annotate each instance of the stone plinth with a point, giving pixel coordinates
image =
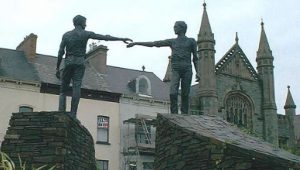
(51, 138)
(210, 143)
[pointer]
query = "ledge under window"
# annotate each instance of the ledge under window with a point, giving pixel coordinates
(103, 143)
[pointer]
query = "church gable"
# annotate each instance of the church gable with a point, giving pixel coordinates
(235, 63)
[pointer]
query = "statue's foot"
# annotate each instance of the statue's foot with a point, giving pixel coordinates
(73, 115)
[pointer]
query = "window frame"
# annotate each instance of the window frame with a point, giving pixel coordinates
(99, 141)
(140, 135)
(147, 90)
(246, 107)
(104, 161)
(26, 107)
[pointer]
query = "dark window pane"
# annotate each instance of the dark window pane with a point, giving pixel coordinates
(143, 86)
(142, 135)
(102, 164)
(25, 109)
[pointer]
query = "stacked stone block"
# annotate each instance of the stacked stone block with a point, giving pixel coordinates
(180, 145)
(51, 138)
(177, 150)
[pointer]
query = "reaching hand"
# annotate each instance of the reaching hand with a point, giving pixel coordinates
(127, 40)
(130, 45)
(57, 74)
(197, 77)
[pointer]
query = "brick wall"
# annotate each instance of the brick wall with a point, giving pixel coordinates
(28, 45)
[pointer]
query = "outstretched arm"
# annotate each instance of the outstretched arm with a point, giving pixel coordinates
(109, 38)
(146, 44)
(163, 43)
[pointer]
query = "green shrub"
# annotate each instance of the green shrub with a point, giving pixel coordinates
(7, 164)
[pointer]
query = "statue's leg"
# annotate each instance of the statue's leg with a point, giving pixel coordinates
(77, 80)
(174, 92)
(65, 82)
(62, 103)
(186, 80)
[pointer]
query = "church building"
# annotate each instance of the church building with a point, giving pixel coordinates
(234, 90)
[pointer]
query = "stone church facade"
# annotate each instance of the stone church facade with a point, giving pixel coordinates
(240, 93)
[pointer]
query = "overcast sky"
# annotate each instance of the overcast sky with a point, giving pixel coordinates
(149, 20)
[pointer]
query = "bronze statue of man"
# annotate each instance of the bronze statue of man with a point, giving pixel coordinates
(73, 45)
(182, 47)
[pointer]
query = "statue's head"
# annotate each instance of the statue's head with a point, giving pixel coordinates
(180, 26)
(79, 20)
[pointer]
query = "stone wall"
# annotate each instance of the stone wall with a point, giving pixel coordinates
(283, 126)
(227, 83)
(178, 149)
(51, 138)
(209, 143)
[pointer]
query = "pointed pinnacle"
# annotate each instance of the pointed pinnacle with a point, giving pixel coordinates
(236, 38)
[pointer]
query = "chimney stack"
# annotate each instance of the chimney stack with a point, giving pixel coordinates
(168, 74)
(28, 45)
(97, 57)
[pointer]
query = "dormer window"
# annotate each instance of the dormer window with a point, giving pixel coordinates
(143, 85)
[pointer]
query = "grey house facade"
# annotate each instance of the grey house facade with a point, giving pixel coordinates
(138, 94)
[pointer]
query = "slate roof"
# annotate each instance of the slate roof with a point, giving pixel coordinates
(45, 66)
(14, 65)
(220, 131)
(118, 79)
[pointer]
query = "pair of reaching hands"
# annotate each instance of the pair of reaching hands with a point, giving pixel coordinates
(131, 45)
(129, 42)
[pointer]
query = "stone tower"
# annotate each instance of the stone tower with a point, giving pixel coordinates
(265, 69)
(207, 84)
(290, 112)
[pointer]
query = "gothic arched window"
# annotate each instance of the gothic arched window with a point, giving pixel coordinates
(239, 109)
